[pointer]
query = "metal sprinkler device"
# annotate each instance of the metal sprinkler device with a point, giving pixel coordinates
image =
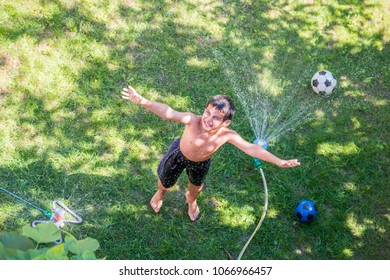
(57, 218)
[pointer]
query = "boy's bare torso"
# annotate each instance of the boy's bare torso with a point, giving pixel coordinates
(198, 144)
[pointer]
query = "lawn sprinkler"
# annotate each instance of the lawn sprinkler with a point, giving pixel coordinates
(57, 218)
(261, 142)
(264, 144)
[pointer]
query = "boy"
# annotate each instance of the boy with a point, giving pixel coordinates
(202, 137)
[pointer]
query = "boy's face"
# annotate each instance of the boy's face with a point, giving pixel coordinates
(212, 118)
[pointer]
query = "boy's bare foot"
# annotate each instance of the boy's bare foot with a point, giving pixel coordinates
(156, 201)
(193, 209)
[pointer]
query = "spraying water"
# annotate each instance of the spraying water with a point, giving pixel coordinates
(270, 112)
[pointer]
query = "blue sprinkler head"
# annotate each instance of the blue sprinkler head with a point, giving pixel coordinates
(261, 142)
(264, 144)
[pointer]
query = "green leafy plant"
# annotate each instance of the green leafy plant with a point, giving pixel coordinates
(30, 246)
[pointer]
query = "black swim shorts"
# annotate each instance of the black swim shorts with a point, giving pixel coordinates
(174, 162)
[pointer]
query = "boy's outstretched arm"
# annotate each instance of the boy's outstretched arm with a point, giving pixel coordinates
(160, 109)
(258, 152)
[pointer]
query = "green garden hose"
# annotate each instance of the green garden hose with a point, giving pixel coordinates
(258, 165)
(45, 212)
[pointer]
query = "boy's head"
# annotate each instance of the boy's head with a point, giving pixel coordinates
(218, 113)
(224, 104)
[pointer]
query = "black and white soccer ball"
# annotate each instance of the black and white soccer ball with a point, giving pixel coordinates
(323, 83)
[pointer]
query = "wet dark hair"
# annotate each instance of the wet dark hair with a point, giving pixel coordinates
(224, 104)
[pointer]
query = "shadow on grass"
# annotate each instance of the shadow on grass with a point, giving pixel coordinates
(346, 151)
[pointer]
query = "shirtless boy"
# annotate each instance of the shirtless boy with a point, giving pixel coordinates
(202, 137)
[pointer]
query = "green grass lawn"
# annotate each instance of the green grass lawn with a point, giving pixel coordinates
(65, 133)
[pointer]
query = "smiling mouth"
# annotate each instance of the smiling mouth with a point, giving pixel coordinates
(206, 124)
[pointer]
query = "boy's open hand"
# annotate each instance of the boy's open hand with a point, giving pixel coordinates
(289, 163)
(130, 94)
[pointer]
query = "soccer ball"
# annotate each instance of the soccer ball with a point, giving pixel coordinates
(305, 211)
(323, 83)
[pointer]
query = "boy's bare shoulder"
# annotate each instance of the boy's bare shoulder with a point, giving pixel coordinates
(229, 134)
(189, 118)
(194, 118)
(232, 136)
